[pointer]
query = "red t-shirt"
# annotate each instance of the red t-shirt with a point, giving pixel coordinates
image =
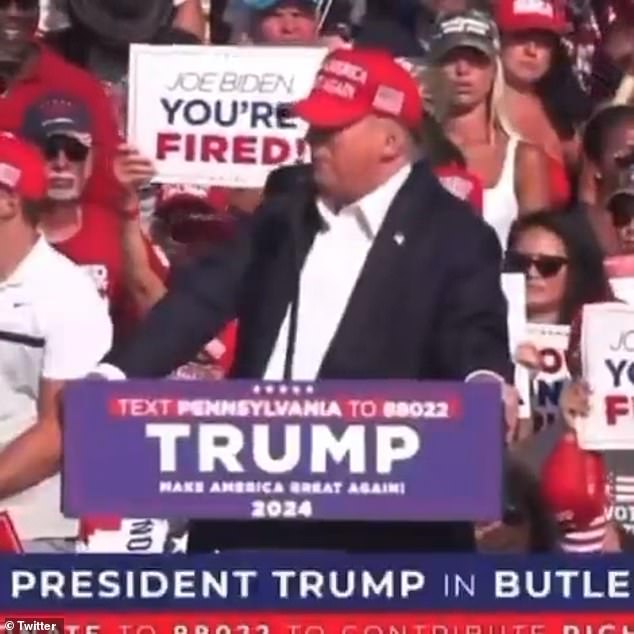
(51, 74)
(97, 248)
(561, 190)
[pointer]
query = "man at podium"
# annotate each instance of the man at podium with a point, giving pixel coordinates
(376, 272)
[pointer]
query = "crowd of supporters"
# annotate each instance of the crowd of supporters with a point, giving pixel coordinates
(528, 117)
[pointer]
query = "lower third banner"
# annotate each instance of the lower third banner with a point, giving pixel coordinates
(269, 623)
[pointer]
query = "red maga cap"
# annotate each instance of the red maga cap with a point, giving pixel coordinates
(22, 168)
(355, 83)
(194, 214)
(529, 15)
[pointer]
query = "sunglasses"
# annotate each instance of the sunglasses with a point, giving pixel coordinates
(21, 5)
(74, 151)
(545, 265)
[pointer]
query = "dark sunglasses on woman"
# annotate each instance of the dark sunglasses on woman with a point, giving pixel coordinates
(545, 265)
(75, 151)
(20, 5)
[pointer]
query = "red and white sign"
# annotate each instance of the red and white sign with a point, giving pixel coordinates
(211, 115)
(607, 348)
(552, 343)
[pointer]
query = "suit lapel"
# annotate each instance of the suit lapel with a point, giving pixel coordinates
(380, 284)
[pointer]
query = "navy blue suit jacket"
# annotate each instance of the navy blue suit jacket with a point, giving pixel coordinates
(428, 305)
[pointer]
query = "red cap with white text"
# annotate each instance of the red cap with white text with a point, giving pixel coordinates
(531, 15)
(22, 168)
(355, 83)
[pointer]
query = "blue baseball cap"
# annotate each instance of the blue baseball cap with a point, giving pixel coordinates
(58, 114)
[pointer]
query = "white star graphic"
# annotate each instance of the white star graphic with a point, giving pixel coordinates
(256, 389)
(179, 544)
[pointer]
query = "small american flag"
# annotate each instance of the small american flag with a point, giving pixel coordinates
(622, 496)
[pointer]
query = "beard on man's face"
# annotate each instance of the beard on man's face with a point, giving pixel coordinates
(63, 187)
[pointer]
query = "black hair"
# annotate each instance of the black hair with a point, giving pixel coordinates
(565, 102)
(600, 125)
(587, 281)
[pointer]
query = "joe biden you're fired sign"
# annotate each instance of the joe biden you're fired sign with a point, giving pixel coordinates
(330, 450)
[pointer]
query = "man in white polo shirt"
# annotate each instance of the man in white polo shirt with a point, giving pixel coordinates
(53, 327)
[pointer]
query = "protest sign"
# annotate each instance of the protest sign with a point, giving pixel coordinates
(620, 270)
(547, 426)
(330, 450)
(218, 115)
(607, 349)
(514, 287)
(552, 342)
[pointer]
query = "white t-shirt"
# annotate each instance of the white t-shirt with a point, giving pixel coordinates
(54, 14)
(53, 325)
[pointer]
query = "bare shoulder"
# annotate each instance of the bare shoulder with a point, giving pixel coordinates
(530, 156)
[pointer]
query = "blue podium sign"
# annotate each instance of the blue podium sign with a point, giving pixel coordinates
(329, 450)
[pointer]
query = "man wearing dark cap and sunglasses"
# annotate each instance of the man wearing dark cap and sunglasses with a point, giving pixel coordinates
(87, 233)
(620, 203)
(29, 70)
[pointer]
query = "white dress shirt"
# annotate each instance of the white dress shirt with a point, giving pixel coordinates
(329, 276)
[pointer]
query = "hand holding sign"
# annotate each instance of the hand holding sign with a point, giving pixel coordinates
(527, 355)
(575, 402)
(133, 171)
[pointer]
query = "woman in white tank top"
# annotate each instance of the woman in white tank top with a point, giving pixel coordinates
(465, 49)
